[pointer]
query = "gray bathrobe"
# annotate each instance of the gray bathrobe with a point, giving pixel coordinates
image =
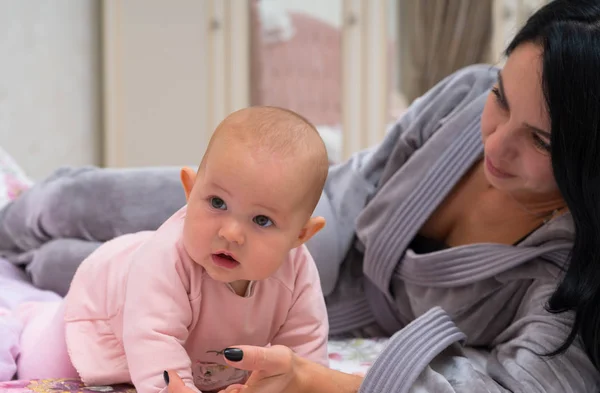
(463, 319)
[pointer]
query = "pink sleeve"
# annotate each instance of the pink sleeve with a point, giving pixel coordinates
(156, 318)
(306, 327)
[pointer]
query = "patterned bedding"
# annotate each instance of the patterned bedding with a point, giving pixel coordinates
(351, 356)
(13, 179)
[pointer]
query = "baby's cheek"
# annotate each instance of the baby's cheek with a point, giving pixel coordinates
(195, 245)
(265, 263)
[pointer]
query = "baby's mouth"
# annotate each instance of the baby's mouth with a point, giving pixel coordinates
(226, 257)
(225, 261)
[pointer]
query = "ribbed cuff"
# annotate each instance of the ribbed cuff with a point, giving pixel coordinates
(409, 351)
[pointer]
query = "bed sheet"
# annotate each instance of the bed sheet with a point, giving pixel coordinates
(353, 356)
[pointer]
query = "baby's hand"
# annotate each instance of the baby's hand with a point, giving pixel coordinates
(175, 383)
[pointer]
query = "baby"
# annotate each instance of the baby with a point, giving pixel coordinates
(229, 268)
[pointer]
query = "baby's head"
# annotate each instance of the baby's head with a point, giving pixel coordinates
(252, 199)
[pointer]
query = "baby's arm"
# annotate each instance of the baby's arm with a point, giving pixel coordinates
(306, 327)
(156, 318)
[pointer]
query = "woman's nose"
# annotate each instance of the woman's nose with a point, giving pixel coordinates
(506, 144)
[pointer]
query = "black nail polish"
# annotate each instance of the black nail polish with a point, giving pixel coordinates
(233, 354)
(166, 377)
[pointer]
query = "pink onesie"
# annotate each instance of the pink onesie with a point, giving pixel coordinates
(139, 305)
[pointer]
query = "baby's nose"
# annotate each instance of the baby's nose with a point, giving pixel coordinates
(232, 232)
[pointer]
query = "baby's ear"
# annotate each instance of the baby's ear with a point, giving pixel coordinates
(188, 177)
(312, 226)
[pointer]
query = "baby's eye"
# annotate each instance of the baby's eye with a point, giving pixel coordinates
(262, 221)
(218, 203)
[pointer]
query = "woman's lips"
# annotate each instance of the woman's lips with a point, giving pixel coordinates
(495, 171)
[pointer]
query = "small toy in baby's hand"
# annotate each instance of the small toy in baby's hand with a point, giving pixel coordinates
(221, 352)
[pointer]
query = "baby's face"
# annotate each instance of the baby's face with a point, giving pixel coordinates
(245, 213)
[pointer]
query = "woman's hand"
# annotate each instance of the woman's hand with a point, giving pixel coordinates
(274, 369)
(277, 369)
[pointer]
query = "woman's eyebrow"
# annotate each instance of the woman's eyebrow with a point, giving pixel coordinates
(542, 132)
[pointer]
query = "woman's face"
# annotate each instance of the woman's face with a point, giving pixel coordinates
(515, 128)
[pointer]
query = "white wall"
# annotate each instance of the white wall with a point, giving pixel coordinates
(49, 83)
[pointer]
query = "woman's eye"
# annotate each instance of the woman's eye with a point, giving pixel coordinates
(540, 143)
(262, 221)
(499, 99)
(218, 203)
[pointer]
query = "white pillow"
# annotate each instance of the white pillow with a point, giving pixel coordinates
(13, 180)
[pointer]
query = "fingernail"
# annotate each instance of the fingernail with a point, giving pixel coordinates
(166, 377)
(233, 354)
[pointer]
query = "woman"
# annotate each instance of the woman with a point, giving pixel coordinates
(464, 244)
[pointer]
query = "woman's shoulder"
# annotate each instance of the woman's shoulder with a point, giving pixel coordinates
(464, 86)
(458, 90)
(476, 74)
(479, 69)
(461, 93)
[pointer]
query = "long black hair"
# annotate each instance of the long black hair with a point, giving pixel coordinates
(568, 32)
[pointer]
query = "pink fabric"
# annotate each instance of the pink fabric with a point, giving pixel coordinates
(10, 330)
(43, 346)
(15, 289)
(139, 305)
